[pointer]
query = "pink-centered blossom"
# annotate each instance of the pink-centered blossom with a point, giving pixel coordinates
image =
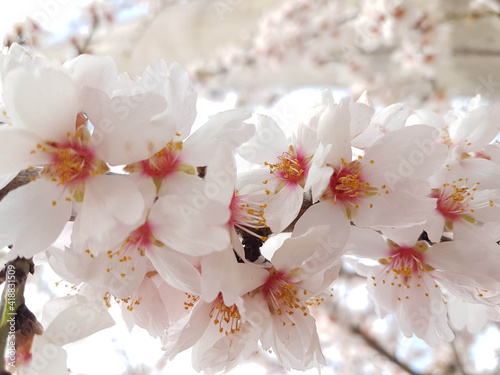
(410, 275)
(386, 186)
(285, 164)
(467, 194)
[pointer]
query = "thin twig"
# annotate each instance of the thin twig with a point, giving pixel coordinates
(458, 362)
(377, 347)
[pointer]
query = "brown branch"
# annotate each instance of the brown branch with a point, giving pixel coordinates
(372, 343)
(458, 363)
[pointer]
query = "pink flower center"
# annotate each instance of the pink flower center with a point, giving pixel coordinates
(140, 239)
(403, 270)
(247, 215)
(283, 297)
(347, 184)
(455, 200)
(73, 161)
(405, 262)
(292, 167)
(164, 162)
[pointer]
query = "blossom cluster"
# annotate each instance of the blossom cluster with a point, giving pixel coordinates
(165, 222)
(398, 49)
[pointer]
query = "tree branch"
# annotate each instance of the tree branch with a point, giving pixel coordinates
(17, 324)
(378, 348)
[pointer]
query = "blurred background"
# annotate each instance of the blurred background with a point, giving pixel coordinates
(251, 54)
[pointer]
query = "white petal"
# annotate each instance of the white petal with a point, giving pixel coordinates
(319, 174)
(267, 144)
(319, 245)
(406, 204)
(225, 129)
(417, 304)
(434, 226)
(191, 224)
(236, 280)
(109, 200)
(334, 129)
(47, 358)
(19, 150)
(89, 70)
(30, 220)
(123, 129)
(185, 333)
(120, 278)
(175, 269)
(406, 153)
(42, 100)
(360, 117)
(81, 319)
(388, 119)
(306, 139)
(426, 117)
(285, 205)
(220, 177)
(174, 84)
(323, 213)
(366, 243)
(475, 259)
(476, 129)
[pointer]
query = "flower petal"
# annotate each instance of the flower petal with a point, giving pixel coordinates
(89, 70)
(32, 216)
(225, 129)
(319, 245)
(267, 143)
(175, 269)
(44, 101)
(323, 213)
(123, 129)
(191, 224)
(110, 200)
(334, 129)
(19, 150)
(406, 153)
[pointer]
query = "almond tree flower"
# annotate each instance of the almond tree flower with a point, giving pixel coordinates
(302, 268)
(178, 160)
(212, 323)
(467, 132)
(286, 161)
(467, 193)
(246, 202)
(66, 320)
(167, 240)
(49, 129)
(407, 280)
(384, 187)
(219, 336)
